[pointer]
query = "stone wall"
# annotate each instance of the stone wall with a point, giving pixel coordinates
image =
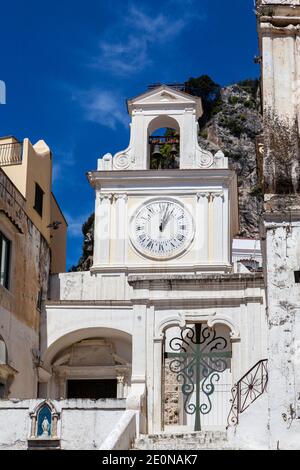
(171, 396)
(20, 309)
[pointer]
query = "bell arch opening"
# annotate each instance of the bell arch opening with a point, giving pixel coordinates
(163, 149)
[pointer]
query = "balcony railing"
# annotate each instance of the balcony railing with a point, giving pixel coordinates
(251, 386)
(11, 153)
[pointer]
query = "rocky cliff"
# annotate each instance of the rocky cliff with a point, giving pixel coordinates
(232, 125)
(234, 129)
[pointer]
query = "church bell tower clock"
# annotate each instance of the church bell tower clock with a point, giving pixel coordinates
(164, 204)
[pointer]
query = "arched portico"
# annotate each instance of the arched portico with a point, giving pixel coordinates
(89, 363)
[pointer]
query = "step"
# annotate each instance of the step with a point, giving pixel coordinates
(181, 441)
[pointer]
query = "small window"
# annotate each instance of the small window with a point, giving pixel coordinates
(5, 249)
(38, 199)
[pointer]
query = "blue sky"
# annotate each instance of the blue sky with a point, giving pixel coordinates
(70, 65)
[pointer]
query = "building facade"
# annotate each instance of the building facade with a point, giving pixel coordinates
(175, 330)
(163, 323)
(27, 253)
(279, 38)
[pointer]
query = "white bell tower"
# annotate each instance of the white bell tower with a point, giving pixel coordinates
(181, 219)
(163, 107)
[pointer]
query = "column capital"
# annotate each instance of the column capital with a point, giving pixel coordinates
(203, 195)
(123, 196)
(106, 196)
(121, 379)
(218, 194)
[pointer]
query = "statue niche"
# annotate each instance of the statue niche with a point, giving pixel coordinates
(44, 422)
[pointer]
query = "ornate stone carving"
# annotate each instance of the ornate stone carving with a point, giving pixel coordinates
(121, 161)
(205, 159)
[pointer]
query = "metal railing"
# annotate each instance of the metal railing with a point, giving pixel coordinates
(11, 153)
(251, 386)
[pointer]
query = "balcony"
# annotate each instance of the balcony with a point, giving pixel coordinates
(11, 153)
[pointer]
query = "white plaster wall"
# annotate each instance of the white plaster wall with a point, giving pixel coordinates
(15, 432)
(87, 429)
(89, 287)
(252, 432)
(283, 257)
(83, 424)
(124, 433)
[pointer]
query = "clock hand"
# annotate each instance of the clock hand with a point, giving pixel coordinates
(161, 225)
(166, 218)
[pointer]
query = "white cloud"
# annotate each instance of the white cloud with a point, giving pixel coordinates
(131, 52)
(123, 58)
(156, 28)
(75, 224)
(61, 160)
(103, 107)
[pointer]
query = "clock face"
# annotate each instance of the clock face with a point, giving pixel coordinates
(162, 229)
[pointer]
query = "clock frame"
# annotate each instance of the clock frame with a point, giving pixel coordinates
(177, 225)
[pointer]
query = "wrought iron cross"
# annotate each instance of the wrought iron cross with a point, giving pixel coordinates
(198, 360)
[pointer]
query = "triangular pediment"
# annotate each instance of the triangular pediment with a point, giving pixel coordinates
(164, 95)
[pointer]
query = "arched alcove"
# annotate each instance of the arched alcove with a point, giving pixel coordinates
(163, 143)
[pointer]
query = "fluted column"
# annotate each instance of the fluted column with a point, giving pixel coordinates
(202, 227)
(102, 229)
(120, 227)
(218, 231)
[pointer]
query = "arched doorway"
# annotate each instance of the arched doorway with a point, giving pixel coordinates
(197, 378)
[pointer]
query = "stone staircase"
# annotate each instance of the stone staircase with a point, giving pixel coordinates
(204, 440)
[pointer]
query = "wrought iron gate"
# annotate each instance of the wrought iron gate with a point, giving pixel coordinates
(197, 358)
